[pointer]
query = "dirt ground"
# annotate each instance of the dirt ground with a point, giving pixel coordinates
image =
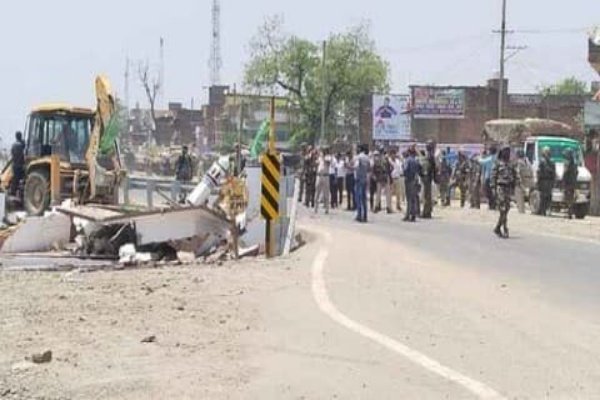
(95, 325)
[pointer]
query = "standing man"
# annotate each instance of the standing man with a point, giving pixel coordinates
(382, 173)
(487, 164)
(428, 174)
(397, 179)
(302, 175)
(503, 179)
(340, 178)
(570, 181)
(362, 167)
(546, 178)
(525, 175)
(184, 168)
(445, 174)
(310, 177)
(475, 182)
(333, 181)
(461, 177)
(323, 180)
(17, 153)
(350, 182)
(412, 170)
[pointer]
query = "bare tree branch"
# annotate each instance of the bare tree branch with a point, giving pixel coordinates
(151, 86)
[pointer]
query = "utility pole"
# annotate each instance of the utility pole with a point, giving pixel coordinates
(324, 92)
(502, 62)
(161, 76)
(215, 62)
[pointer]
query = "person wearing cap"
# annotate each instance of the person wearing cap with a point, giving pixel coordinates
(546, 174)
(475, 182)
(460, 176)
(444, 178)
(570, 181)
(428, 177)
(525, 174)
(350, 181)
(503, 180)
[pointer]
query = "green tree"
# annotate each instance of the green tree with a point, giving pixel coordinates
(566, 87)
(289, 65)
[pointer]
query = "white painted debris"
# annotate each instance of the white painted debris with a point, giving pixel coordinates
(128, 255)
(38, 234)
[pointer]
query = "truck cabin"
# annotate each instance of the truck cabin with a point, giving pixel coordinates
(557, 146)
(59, 130)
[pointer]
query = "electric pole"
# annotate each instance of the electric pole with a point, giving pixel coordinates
(502, 62)
(324, 93)
(215, 62)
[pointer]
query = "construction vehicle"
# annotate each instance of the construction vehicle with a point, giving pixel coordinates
(70, 153)
(532, 136)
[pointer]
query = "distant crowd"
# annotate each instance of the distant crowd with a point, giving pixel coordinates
(412, 181)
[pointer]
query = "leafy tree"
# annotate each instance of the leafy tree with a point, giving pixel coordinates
(289, 65)
(565, 87)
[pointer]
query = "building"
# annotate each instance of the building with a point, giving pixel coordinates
(457, 114)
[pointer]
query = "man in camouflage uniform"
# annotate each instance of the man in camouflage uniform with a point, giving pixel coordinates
(461, 174)
(503, 181)
(444, 179)
(570, 181)
(525, 174)
(475, 182)
(428, 177)
(310, 177)
(546, 178)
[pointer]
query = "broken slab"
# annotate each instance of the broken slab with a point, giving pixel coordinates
(36, 234)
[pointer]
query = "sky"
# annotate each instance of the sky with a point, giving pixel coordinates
(52, 50)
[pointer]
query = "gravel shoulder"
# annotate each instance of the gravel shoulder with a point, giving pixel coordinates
(137, 334)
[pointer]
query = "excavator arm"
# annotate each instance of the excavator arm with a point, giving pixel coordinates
(103, 141)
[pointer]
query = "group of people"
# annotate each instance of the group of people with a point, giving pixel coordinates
(371, 180)
(391, 180)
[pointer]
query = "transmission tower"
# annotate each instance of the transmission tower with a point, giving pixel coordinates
(216, 62)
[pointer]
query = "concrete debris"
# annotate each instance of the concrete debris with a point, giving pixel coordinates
(37, 234)
(42, 358)
(149, 339)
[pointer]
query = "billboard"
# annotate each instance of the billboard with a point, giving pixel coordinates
(438, 103)
(391, 117)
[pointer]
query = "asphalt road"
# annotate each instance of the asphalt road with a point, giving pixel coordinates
(438, 309)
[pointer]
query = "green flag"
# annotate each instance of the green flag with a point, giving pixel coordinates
(259, 139)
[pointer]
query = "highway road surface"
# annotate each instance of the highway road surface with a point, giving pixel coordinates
(435, 310)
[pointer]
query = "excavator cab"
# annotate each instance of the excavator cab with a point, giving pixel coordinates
(71, 153)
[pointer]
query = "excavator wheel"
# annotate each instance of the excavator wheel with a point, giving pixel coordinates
(36, 196)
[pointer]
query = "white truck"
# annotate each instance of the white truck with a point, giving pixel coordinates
(532, 136)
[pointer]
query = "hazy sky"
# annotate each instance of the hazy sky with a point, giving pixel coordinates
(53, 49)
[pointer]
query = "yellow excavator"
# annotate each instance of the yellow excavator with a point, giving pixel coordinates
(70, 153)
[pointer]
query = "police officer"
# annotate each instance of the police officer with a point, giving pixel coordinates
(570, 181)
(461, 173)
(525, 174)
(546, 178)
(428, 177)
(503, 180)
(475, 182)
(444, 179)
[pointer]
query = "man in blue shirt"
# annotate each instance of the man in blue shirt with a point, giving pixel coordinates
(487, 164)
(412, 170)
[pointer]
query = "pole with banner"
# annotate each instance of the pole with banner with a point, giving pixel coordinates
(270, 187)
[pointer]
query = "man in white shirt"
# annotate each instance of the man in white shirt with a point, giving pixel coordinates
(333, 181)
(323, 187)
(398, 189)
(340, 171)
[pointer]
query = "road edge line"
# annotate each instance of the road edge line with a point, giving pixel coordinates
(319, 289)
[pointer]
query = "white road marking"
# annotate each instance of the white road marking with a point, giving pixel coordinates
(321, 296)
